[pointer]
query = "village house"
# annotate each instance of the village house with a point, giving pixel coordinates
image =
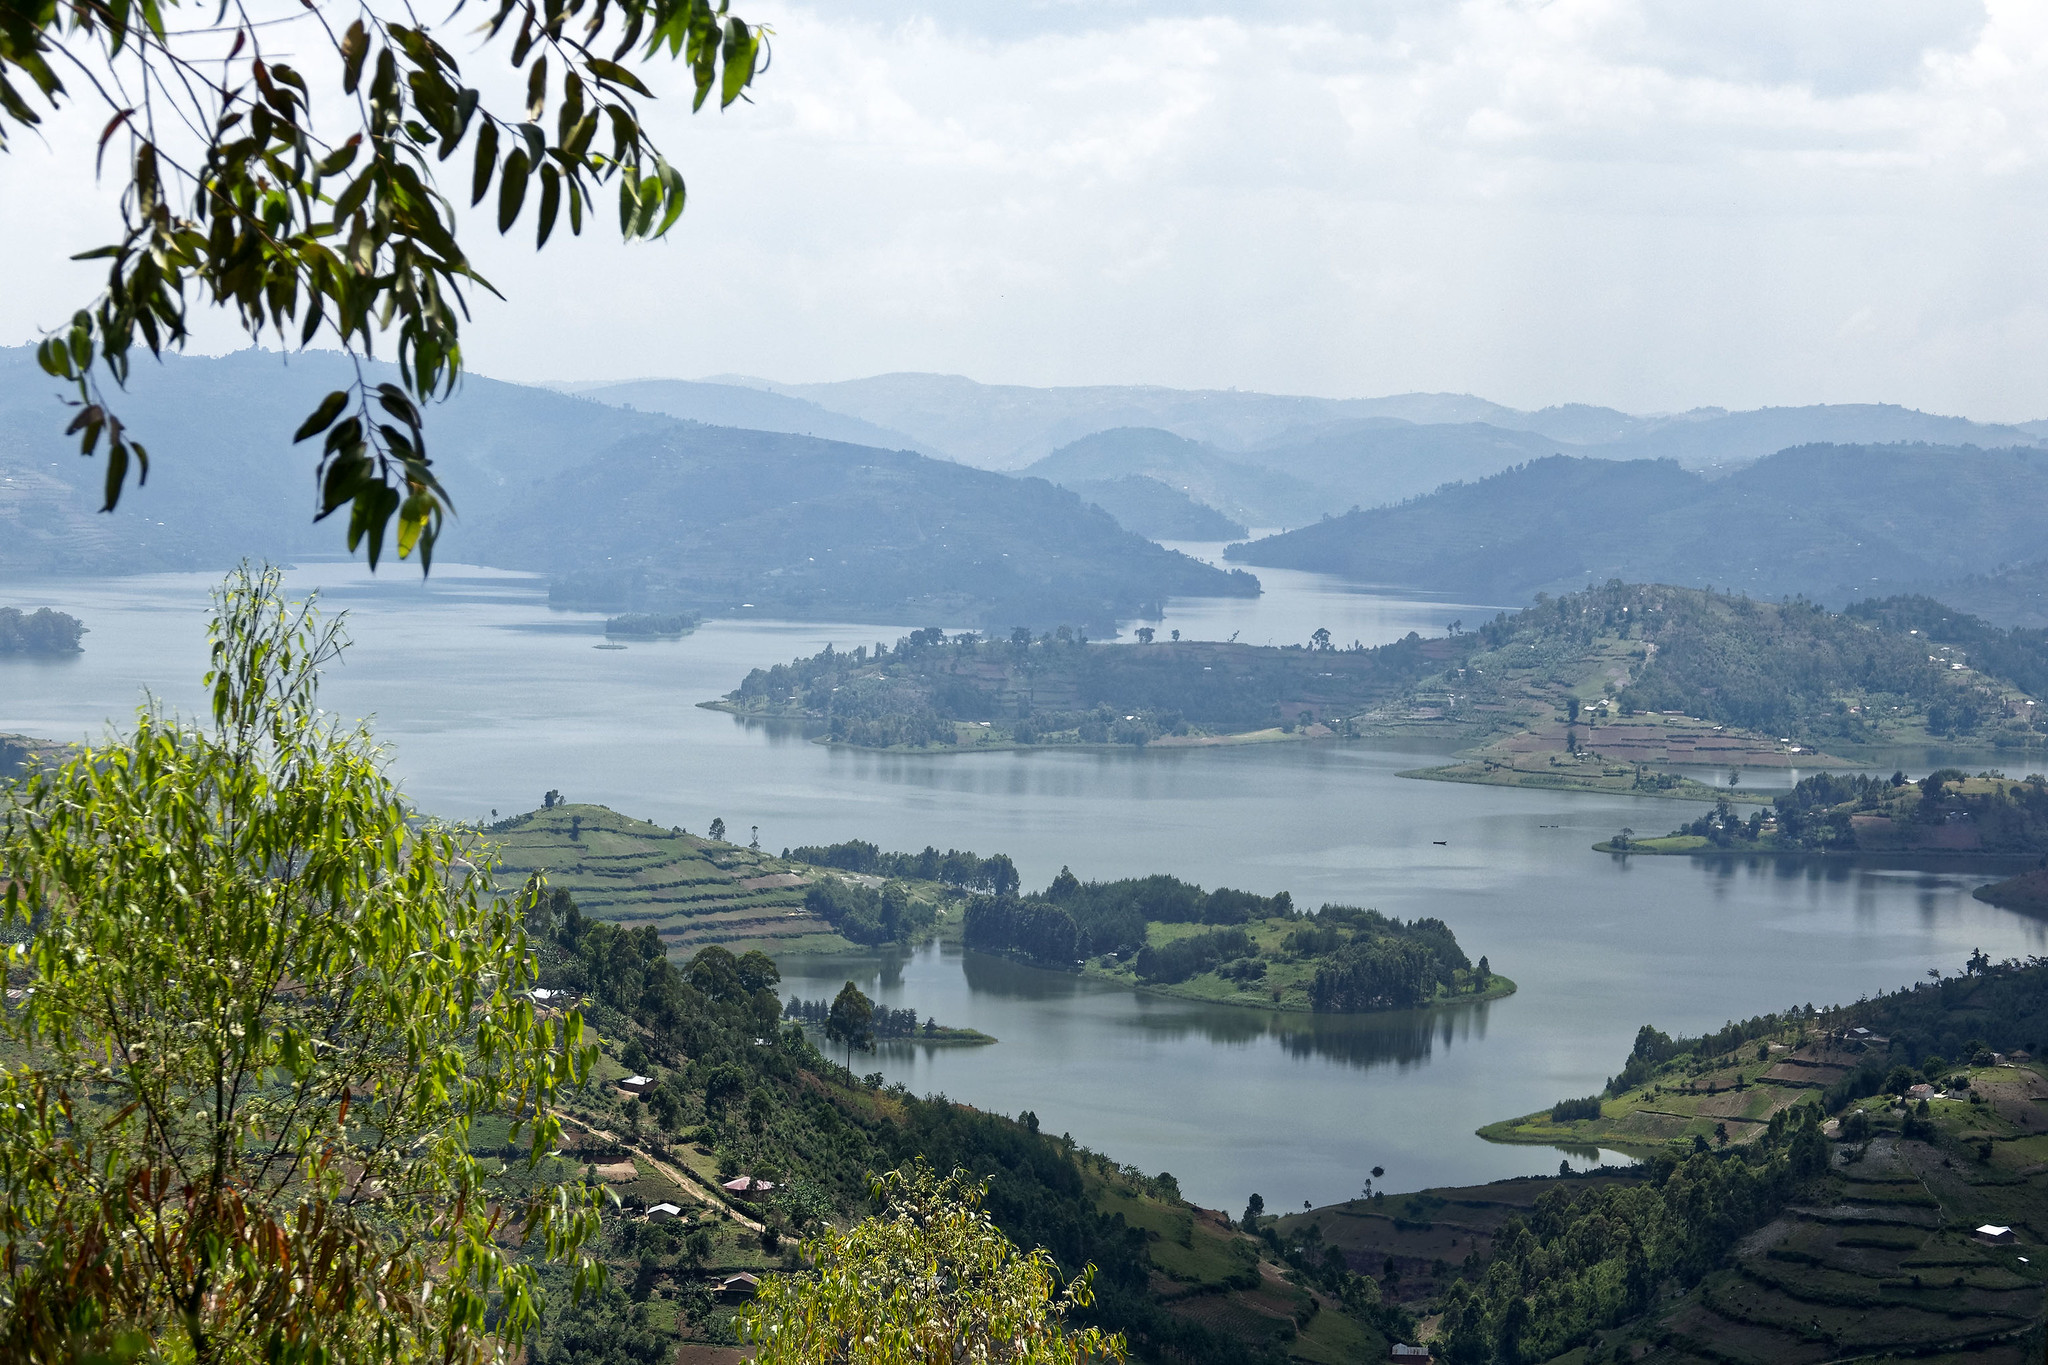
(1402, 1354)
(637, 1085)
(661, 1213)
(746, 1184)
(740, 1286)
(1993, 1234)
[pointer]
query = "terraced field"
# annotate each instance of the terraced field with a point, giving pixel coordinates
(694, 891)
(1888, 1271)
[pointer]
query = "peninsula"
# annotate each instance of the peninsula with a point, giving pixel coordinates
(1604, 690)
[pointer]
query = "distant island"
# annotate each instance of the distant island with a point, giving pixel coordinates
(890, 1025)
(41, 631)
(653, 625)
(1167, 936)
(1946, 812)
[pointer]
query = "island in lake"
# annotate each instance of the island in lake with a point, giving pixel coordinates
(41, 631)
(1170, 937)
(889, 1025)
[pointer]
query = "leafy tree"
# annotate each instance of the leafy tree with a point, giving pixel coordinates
(927, 1279)
(261, 1015)
(851, 1021)
(1145, 634)
(1320, 639)
(231, 194)
(718, 831)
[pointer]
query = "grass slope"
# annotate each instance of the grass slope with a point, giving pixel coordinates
(693, 891)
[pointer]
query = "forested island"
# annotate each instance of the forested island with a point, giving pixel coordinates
(42, 631)
(1162, 934)
(1946, 812)
(888, 1025)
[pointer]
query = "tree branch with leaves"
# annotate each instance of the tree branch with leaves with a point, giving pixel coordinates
(234, 198)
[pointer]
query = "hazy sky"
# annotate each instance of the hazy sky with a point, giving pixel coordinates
(1653, 205)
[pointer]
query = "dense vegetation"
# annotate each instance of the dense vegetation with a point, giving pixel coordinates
(653, 623)
(1055, 688)
(890, 915)
(1347, 960)
(1946, 811)
(1072, 918)
(1587, 1261)
(41, 631)
(968, 871)
(1811, 519)
(1376, 962)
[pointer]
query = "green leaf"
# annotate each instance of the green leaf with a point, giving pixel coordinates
(511, 189)
(550, 202)
(614, 74)
(322, 417)
(486, 161)
(355, 45)
(537, 89)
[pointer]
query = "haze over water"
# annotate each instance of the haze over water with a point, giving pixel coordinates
(487, 699)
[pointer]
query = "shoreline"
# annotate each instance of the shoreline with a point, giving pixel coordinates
(1684, 788)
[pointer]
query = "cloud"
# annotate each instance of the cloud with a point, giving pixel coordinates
(1655, 204)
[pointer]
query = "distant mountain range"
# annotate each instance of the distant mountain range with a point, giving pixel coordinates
(626, 507)
(1005, 426)
(1828, 521)
(1330, 455)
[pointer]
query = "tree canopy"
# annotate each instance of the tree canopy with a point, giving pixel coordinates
(233, 196)
(258, 1015)
(929, 1278)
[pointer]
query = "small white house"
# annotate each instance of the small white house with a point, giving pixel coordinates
(746, 1184)
(661, 1213)
(1996, 1235)
(637, 1085)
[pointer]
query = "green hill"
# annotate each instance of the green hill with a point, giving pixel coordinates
(1810, 519)
(692, 891)
(1156, 511)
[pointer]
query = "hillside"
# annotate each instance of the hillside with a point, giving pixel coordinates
(1157, 512)
(1845, 1156)
(1237, 488)
(733, 405)
(1375, 461)
(967, 691)
(1805, 520)
(724, 520)
(1596, 690)
(630, 510)
(690, 891)
(1945, 812)
(727, 1089)
(225, 480)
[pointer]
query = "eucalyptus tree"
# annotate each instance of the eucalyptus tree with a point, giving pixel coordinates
(234, 194)
(928, 1280)
(255, 1015)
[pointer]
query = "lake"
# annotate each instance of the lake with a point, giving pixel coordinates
(487, 699)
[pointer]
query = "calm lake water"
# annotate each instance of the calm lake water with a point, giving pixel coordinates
(487, 699)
